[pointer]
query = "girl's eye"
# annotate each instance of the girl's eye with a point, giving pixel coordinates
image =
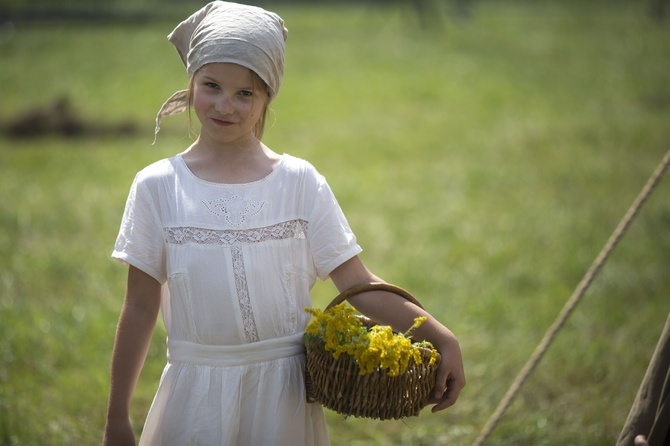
(245, 93)
(211, 85)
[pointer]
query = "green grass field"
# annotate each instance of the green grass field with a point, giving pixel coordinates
(482, 165)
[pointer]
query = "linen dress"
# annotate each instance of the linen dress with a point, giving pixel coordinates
(237, 262)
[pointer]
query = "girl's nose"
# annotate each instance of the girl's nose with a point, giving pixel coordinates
(224, 105)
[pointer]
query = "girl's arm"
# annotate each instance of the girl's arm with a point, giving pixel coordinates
(133, 337)
(390, 309)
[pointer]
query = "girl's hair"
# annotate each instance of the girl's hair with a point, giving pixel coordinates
(259, 87)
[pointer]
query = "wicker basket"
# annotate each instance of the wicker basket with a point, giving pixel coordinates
(339, 386)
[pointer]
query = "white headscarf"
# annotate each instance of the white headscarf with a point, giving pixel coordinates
(229, 32)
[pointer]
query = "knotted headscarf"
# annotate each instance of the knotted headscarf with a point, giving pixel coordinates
(229, 32)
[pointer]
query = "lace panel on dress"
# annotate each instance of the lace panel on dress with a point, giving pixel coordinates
(229, 237)
(234, 239)
(248, 320)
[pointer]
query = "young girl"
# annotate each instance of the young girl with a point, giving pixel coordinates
(227, 239)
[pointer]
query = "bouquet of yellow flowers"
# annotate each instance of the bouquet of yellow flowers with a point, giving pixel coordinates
(374, 348)
(356, 367)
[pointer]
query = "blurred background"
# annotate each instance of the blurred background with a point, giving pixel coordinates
(482, 150)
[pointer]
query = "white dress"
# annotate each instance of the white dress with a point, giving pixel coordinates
(237, 262)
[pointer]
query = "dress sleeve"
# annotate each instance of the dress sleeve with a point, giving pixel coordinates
(141, 242)
(331, 239)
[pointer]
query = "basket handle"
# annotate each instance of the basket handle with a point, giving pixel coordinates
(375, 286)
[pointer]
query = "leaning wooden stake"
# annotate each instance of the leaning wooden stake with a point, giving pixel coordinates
(571, 304)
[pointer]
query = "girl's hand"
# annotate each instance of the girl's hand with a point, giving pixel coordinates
(118, 433)
(450, 377)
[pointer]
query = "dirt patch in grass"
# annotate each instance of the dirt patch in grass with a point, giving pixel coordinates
(60, 118)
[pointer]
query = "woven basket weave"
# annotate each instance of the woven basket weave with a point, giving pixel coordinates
(339, 386)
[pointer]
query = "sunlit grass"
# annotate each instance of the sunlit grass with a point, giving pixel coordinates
(482, 167)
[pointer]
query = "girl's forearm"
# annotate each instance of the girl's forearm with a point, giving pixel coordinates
(387, 308)
(390, 309)
(133, 337)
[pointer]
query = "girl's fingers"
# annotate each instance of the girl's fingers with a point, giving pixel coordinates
(449, 397)
(448, 386)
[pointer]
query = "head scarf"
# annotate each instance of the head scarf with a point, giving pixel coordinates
(229, 32)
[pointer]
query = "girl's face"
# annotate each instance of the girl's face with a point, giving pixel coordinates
(226, 103)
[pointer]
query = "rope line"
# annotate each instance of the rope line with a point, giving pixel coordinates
(572, 302)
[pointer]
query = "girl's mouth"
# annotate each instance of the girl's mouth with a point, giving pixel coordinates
(222, 122)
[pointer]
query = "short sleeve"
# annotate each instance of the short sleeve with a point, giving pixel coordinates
(331, 239)
(141, 242)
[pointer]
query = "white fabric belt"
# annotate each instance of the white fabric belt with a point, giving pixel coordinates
(235, 355)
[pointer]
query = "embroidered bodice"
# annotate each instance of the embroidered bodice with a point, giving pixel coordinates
(238, 260)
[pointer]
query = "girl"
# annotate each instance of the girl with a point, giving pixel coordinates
(227, 239)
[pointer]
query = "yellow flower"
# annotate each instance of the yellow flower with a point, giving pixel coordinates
(378, 348)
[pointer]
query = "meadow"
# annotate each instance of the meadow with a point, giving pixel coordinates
(482, 164)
